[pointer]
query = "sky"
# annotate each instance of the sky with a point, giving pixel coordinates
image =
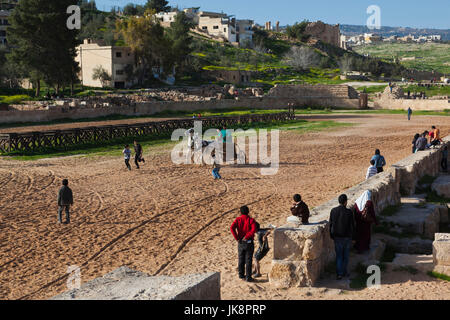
(394, 13)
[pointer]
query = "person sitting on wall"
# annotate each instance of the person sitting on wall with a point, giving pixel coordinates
(421, 143)
(414, 141)
(300, 209)
(364, 214)
(435, 136)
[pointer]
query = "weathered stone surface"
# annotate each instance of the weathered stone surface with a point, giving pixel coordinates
(371, 257)
(441, 251)
(287, 274)
(442, 186)
(422, 263)
(127, 284)
(422, 220)
(414, 199)
(442, 270)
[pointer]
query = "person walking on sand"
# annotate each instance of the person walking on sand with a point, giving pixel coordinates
(139, 154)
(342, 225)
(380, 162)
(243, 230)
(127, 154)
(65, 200)
(409, 113)
(300, 209)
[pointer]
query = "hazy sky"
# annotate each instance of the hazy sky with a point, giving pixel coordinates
(394, 13)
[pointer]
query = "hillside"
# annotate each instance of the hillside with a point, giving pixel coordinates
(427, 56)
(398, 31)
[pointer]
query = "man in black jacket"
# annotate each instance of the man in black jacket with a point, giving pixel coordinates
(65, 200)
(342, 225)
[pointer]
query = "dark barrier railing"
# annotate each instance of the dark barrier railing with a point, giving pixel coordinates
(39, 141)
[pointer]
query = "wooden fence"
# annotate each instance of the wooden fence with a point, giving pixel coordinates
(60, 139)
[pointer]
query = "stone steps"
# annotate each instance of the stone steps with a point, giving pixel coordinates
(419, 219)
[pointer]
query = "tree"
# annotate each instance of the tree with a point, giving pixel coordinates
(346, 63)
(42, 44)
(133, 10)
(302, 58)
(145, 36)
(99, 73)
(297, 31)
(180, 40)
(157, 5)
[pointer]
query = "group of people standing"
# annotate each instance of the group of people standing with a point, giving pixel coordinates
(348, 225)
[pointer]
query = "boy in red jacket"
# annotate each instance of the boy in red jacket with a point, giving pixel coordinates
(243, 230)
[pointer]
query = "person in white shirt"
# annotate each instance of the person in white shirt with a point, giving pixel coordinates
(372, 170)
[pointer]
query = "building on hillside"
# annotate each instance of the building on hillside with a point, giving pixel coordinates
(6, 7)
(114, 60)
(324, 32)
(238, 77)
(372, 38)
(244, 32)
(218, 25)
(166, 18)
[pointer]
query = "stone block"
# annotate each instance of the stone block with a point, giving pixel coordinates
(288, 274)
(441, 251)
(442, 186)
(442, 270)
(127, 284)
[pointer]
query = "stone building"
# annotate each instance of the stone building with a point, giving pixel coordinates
(325, 32)
(238, 77)
(115, 60)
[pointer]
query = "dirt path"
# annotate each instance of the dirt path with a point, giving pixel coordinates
(173, 219)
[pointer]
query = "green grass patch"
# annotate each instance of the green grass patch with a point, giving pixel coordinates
(371, 89)
(430, 92)
(14, 99)
(438, 275)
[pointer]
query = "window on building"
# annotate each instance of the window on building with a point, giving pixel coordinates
(2, 33)
(224, 29)
(118, 54)
(204, 28)
(119, 72)
(216, 27)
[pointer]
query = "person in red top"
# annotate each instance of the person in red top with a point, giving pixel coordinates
(243, 230)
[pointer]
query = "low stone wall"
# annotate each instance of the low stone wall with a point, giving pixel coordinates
(127, 284)
(414, 104)
(301, 252)
(151, 108)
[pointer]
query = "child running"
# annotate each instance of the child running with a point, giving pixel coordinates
(127, 154)
(216, 170)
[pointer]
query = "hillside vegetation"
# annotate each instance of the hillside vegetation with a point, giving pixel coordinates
(428, 56)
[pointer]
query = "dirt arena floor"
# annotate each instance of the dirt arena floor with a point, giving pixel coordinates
(171, 219)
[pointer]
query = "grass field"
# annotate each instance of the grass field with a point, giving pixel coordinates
(115, 147)
(428, 56)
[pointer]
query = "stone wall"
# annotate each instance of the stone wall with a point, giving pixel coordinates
(301, 252)
(414, 104)
(325, 32)
(279, 98)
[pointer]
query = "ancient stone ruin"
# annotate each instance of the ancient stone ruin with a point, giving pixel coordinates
(127, 284)
(302, 252)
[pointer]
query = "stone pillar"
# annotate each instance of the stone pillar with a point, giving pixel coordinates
(363, 101)
(278, 26)
(441, 253)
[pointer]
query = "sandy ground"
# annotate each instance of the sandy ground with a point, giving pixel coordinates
(171, 219)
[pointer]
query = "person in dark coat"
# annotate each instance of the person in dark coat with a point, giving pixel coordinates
(65, 200)
(364, 213)
(300, 209)
(416, 137)
(342, 226)
(138, 154)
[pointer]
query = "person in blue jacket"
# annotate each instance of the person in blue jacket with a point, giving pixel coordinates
(380, 162)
